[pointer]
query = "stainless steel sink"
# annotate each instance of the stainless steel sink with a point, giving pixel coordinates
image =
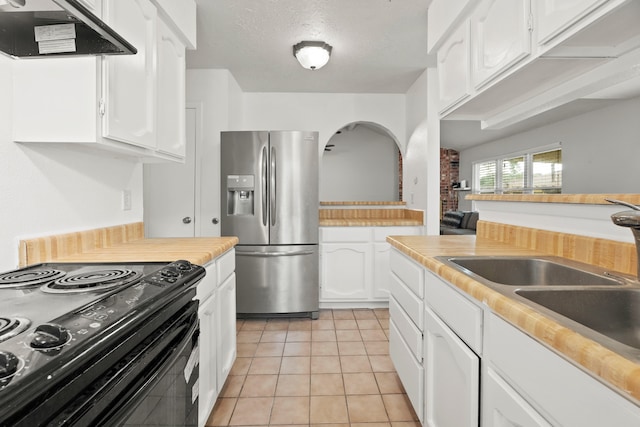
(601, 306)
(527, 271)
(614, 313)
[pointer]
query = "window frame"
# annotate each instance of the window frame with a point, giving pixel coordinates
(527, 155)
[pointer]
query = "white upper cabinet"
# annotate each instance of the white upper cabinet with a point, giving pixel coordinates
(130, 80)
(453, 68)
(443, 15)
(555, 16)
(181, 18)
(524, 58)
(170, 130)
(500, 37)
(131, 105)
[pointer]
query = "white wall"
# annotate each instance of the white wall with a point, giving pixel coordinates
(50, 189)
(363, 166)
(421, 166)
(324, 112)
(226, 107)
(600, 150)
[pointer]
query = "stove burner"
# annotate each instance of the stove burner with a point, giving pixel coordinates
(12, 326)
(98, 280)
(16, 279)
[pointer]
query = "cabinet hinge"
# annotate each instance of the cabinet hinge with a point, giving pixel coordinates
(530, 22)
(101, 107)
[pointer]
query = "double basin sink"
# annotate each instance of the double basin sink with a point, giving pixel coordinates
(601, 306)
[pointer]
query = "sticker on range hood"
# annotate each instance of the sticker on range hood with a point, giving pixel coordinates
(55, 38)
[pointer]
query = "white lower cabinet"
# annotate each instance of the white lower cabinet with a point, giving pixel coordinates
(354, 263)
(452, 336)
(345, 271)
(559, 391)
(217, 315)
(409, 369)
(452, 377)
(226, 325)
(208, 341)
(523, 383)
(406, 327)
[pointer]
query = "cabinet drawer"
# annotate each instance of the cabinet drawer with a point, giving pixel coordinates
(411, 373)
(458, 312)
(226, 265)
(410, 272)
(207, 286)
(408, 330)
(380, 233)
(345, 234)
(545, 379)
(410, 303)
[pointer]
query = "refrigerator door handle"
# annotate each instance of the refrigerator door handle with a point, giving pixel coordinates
(272, 194)
(263, 181)
(272, 254)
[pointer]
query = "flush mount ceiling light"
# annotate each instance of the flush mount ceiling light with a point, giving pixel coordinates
(312, 55)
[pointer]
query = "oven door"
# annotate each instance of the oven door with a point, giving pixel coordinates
(154, 385)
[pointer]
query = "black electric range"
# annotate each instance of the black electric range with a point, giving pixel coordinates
(76, 338)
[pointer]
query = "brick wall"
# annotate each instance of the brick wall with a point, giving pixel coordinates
(449, 174)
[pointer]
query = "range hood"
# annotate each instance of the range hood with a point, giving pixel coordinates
(53, 28)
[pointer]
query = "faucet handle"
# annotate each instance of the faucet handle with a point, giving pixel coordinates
(621, 203)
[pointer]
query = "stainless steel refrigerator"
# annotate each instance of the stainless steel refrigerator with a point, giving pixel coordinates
(270, 202)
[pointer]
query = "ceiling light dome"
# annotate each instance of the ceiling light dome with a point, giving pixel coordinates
(312, 55)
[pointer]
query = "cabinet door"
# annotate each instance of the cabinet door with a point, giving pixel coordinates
(382, 268)
(453, 68)
(502, 406)
(345, 271)
(171, 92)
(500, 37)
(130, 80)
(452, 377)
(226, 324)
(208, 352)
(555, 16)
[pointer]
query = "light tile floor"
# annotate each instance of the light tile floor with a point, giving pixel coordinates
(335, 370)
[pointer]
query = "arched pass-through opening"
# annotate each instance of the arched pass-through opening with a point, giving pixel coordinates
(361, 162)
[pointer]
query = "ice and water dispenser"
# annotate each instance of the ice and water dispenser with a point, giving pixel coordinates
(240, 194)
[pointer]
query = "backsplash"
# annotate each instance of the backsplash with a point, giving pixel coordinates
(608, 254)
(47, 248)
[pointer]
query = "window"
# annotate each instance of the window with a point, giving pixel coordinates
(547, 172)
(538, 172)
(486, 173)
(513, 175)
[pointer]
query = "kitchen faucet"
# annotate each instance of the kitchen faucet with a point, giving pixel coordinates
(629, 219)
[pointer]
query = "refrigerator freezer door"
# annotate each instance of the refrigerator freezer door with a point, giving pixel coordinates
(277, 279)
(244, 180)
(294, 189)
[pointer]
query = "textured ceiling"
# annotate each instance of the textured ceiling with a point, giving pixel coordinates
(379, 46)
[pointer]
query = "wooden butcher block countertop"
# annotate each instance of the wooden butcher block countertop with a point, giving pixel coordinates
(121, 243)
(622, 373)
